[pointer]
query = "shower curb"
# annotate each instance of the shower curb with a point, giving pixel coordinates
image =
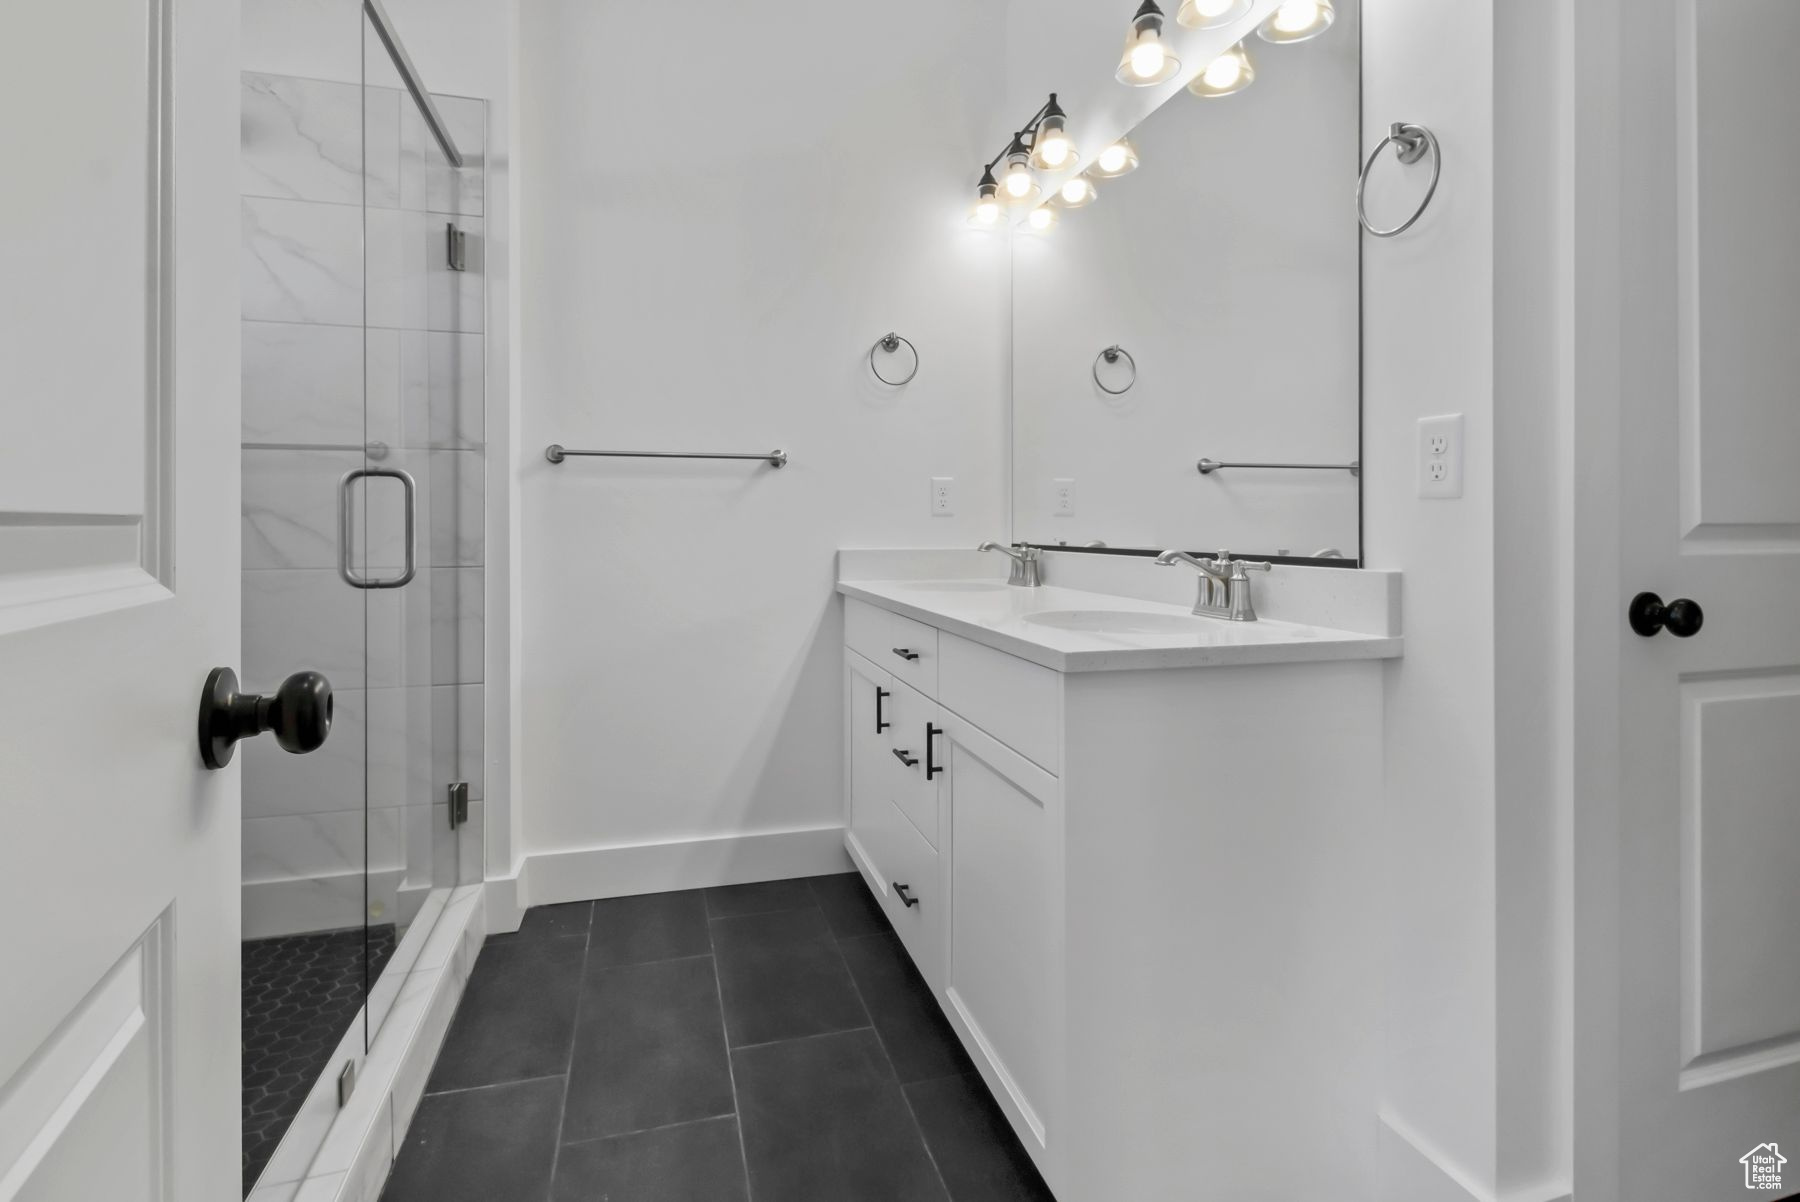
(364, 1137)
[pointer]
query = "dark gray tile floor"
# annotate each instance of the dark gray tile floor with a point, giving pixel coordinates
(756, 1043)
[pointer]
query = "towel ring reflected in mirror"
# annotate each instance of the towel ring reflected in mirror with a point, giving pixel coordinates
(891, 344)
(1113, 354)
(1411, 143)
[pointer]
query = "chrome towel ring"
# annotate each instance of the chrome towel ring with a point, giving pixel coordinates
(1113, 354)
(1410, 143)
(891, 344)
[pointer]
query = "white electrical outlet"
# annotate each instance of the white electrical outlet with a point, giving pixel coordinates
(1064, 493)
(1441, 457)
(943, 496)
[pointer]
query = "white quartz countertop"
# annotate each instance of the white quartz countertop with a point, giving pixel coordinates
(1034, 624)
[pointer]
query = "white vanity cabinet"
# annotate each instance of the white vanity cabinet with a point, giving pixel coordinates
(893, 809)
(999, 812)
(1141, 897)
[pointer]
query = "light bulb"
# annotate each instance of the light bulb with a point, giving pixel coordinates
(1116, 159)
(1041, 219)
(1018, 181)
(1051, 147)
(1224, 72)
(1297, 15)
(1297, 21)
(985, 214)
(1210, 14)
(1147, 58)
(1077, 193)
(1226, 75)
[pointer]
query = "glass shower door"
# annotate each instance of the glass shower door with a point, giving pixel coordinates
(363, 538)
(304, 435)
(421, 506)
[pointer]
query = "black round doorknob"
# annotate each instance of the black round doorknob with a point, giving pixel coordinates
(298, 714)
(1650, 617)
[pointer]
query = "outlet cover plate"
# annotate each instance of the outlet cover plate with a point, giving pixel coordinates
(1441, 457)
(943, 496)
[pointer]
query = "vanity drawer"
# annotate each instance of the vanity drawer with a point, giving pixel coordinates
(912, 866)
(915, 791)
(1014, 700)
(904, 647)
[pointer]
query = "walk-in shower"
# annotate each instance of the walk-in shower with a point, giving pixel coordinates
(363, 541)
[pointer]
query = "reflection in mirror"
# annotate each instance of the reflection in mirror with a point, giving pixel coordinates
(1205, 306)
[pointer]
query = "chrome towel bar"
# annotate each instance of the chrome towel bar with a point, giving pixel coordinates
(556, 453)
(1354, 467)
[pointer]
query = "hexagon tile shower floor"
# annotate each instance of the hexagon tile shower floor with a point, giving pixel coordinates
(300, 994)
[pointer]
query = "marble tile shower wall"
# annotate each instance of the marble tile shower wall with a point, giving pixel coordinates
(357, 336)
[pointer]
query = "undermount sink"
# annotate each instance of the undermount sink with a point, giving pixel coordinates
(954, 586)
(1119, 621)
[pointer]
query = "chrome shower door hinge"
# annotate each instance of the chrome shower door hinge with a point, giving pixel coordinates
(346, 1083)
(459, 804)
(456, 247)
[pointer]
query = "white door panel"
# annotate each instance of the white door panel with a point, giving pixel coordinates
(1736, 98)
(1741, 895)
(83, 511)
(118, 593)
(1003, 854)
(1709, 899)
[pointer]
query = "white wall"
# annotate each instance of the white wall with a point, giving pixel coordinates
(715, 231)
(1535, 646)
(1470, 313)
(1428, 349)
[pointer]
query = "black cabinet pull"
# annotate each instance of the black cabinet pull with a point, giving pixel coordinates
(906, 897)
(911, 761)
(1650, 617)
(932, 767)
(906, 653)
(881, 724)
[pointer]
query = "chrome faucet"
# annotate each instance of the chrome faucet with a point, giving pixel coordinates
(1224, 584)
(1027, 563)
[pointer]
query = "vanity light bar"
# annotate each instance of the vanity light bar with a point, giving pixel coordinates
(1043, 143)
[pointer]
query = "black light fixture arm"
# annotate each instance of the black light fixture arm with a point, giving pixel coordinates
(1020, 140)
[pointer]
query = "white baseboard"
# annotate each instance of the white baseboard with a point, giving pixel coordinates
(1411, 1171)
(546, 878)
(504, 909)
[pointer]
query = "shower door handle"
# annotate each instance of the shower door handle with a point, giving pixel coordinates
(347, 528)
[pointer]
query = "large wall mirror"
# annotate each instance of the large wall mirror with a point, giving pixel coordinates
(1226, 271)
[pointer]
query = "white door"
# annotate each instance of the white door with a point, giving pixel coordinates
(1707, 840)
(118, 592)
